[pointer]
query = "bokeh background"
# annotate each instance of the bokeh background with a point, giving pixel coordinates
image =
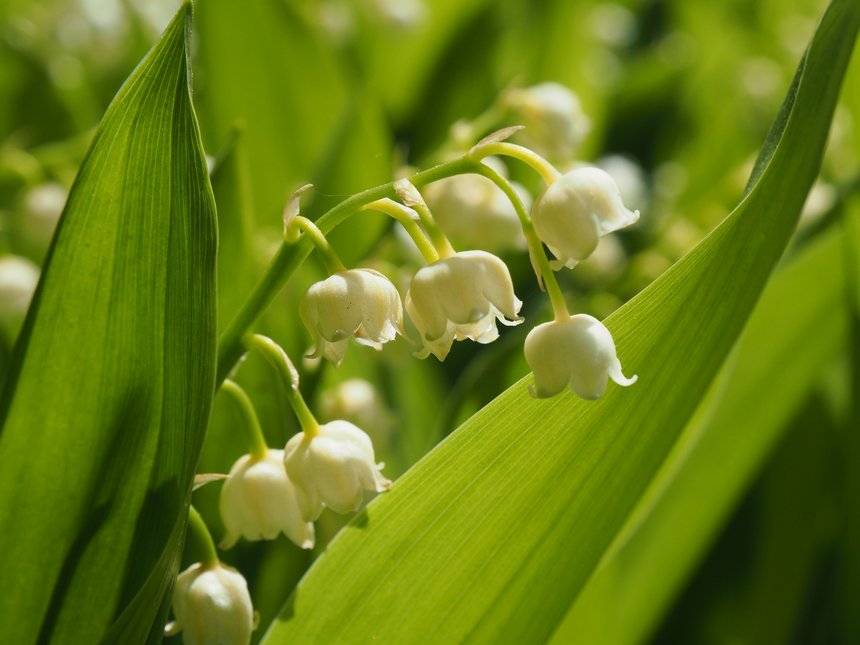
(345, 94)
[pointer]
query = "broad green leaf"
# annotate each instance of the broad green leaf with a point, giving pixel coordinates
(108, 395)
(739, 423)
(492, 536)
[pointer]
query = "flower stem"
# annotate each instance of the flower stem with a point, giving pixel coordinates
(256, 438)
(198, 530)
(290, 256)
(402, 214)
(440, 240)
(318, 239)
(544, 168)
(278, 358)
(544, 272)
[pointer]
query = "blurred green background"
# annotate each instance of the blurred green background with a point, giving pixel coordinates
(345, 93)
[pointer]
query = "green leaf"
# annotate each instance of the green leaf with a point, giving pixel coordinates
(740, 422)
(105, 407)
(261, 63)
(492, 536)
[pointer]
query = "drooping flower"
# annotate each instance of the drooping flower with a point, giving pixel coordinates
(258, 501)
(332, 468)
(474, 212)
(578, 353)
(576, 210)
(554, 122)
(212, 606)
(461, 297)
(358, 303)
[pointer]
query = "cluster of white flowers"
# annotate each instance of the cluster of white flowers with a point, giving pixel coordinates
(455, 296)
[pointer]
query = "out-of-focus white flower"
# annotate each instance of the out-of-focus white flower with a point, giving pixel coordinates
(358, 303)
(358, 402)
(332, 468)
(629, 176)
(473, 211)
(576, 210)
(554, 122)
(401, 14)
(18, 280)
(43, 205)
(212, 606)
(258, 501)
(578, 353)
(461, 297)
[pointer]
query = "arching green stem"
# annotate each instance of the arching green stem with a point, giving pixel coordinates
(277, 357)
(545, 169)
(318, 239)
(539, 259)
(402, 214)
(199, 532)
(256, 439)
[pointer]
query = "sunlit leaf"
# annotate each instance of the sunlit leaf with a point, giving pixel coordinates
(109, 392)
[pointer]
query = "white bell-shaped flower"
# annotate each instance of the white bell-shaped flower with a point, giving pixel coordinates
(461, 297)
(358, 303)
(578, 353)
(212, 606)
(474, 212)
(333, 468)
(258, 501)
(554, 122)
(576, 210)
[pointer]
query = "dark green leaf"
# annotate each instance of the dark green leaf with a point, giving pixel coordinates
(105, 407)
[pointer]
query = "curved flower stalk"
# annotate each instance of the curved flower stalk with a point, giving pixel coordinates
(578, 353)
(333, 467)
(258, 501)
(358, 303)
(576, 210)
(460, 297)
(212, 606)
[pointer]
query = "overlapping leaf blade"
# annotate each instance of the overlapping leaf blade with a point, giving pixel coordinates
(492, 536)
(739, 423)
(105, 406)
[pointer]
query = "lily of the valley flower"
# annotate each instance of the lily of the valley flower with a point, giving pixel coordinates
(554, 122)
(332, 467)
(212, 606)
(578, 353)
(461, 297)
(258, 501)
(576, 210)
(474, 212)
(358, 303)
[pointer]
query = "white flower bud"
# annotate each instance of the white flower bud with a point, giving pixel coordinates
(358, 303)
(258, 501)
(212, 606)
(473, 211)
(461, 297)
(554, 122)
(18, 280)
(578, 353)
(333, 468)
(576, 210)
